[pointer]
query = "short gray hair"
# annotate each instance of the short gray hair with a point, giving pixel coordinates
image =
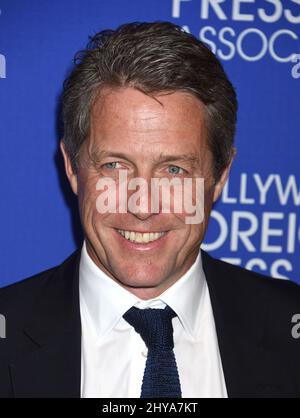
(154, 58)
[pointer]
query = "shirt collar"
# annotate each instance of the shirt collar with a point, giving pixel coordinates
(105, 301)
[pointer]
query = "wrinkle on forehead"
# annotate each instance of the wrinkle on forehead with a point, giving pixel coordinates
(126, 117)
(143, 111)
(147, 118)
(136, 116)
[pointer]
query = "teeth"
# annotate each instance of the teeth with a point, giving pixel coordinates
(140, 238)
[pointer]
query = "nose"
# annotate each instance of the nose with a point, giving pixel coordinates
(143, 216)
(139, 198)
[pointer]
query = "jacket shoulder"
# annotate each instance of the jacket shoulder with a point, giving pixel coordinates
(250, 282)
(22, 294)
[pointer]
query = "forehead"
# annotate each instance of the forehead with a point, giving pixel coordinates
(126, 117)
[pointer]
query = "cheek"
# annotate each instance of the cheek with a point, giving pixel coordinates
(208, 201)
(87, 197)
(196, 202)
(195, 231)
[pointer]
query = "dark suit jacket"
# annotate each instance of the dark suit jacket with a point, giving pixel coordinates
(41, 354)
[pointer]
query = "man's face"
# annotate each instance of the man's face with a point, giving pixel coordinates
(147, 138)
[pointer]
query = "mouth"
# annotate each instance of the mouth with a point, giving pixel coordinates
(142, 240)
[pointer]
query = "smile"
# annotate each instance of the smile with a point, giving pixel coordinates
(141, 238)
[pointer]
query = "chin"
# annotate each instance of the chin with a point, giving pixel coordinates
(141, 280)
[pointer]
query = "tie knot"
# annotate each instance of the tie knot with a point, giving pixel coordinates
(153, 325)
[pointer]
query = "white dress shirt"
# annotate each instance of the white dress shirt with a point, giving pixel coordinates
(114, 355)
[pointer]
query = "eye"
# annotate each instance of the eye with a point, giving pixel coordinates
(111, 165)
(174, 169)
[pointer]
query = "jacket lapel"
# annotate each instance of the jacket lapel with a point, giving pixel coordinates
(252, 368)
(50, 350)
(49, 362)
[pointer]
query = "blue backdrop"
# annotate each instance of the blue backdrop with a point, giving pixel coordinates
(257, 221)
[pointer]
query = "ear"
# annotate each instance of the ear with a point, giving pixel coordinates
(72, 177)
(221, 183)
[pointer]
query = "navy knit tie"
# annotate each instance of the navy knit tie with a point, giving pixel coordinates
(161, 379)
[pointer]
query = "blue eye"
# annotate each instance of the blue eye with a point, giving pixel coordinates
(111, 165)
(175, 169)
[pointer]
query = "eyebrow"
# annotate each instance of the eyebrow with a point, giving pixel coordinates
(96, 156)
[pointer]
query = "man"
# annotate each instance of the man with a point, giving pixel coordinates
(139, 310)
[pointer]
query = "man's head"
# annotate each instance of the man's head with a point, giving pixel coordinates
(147, 98)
